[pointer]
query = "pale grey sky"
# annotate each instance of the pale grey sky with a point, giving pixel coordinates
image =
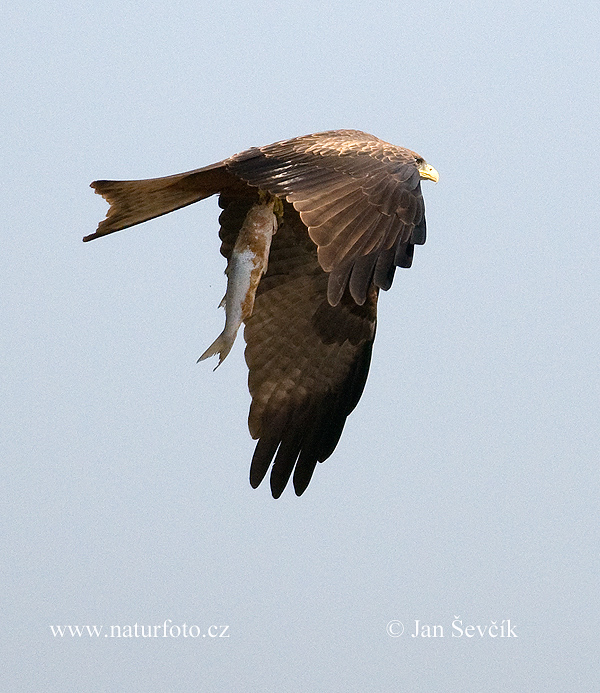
(465, 485)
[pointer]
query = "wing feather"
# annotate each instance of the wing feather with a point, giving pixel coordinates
(340, 181)
(306, 358)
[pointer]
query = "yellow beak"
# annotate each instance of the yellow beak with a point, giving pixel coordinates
(427, 172)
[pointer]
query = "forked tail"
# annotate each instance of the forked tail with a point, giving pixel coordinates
(222, 346)
(134, 201)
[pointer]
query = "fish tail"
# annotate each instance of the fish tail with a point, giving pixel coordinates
(222, 346)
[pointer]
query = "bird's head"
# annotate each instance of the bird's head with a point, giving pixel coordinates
(426, 171)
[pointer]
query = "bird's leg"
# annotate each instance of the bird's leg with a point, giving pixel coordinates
(246, 266)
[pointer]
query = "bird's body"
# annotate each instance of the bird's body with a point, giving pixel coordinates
(336, 212)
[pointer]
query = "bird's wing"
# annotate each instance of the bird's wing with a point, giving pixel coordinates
(308, 360)
(359, 196)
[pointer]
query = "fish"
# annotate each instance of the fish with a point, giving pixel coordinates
(245, 268)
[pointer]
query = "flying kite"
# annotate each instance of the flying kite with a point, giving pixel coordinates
(312, 228)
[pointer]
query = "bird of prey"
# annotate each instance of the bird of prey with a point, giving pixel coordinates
(312, 228)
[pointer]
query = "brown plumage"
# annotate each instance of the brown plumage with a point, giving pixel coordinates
(352, 213)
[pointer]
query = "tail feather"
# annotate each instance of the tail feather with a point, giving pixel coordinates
(134, 201)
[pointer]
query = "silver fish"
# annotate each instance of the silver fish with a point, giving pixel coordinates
(247, 264)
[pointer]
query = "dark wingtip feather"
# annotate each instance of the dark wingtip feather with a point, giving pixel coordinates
(261, 460)
(309, 436)
(303, 474)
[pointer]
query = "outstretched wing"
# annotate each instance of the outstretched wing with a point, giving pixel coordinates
(308, 360)
(359, 196)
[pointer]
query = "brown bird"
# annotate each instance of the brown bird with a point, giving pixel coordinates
(312, 228)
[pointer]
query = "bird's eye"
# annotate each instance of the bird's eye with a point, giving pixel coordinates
(419, 161)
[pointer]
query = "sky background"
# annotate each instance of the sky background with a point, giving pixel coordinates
(465, 486)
